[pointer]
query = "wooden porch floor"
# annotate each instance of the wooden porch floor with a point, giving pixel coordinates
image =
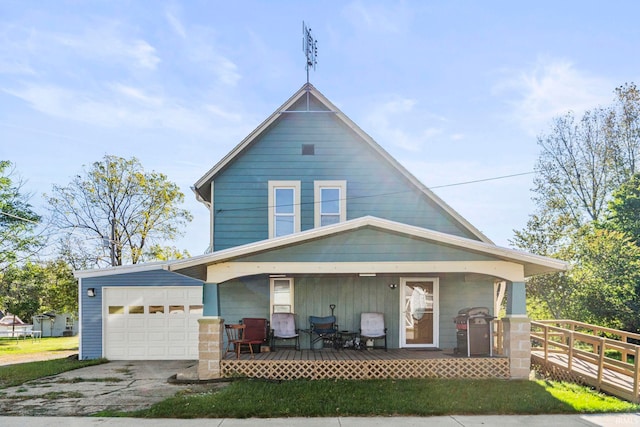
(284, 364)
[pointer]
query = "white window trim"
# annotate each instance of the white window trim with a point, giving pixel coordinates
(296, 204)
(317, 197)
(291, 294)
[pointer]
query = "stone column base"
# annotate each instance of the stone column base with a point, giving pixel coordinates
(210, 347)
(517, 345)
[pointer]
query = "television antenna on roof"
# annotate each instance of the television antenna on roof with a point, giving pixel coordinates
(310, 48)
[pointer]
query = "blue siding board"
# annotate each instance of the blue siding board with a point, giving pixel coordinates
(91, 322)
(366, 245)
(373, 186)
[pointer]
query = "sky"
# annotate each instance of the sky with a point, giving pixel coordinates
(456, 91)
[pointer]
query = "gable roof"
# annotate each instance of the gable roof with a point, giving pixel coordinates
(203, 185)
(533, 264)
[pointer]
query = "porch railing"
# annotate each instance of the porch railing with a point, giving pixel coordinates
(595, 345)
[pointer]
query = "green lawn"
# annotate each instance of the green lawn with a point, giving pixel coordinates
(324, 398)
(12, 346)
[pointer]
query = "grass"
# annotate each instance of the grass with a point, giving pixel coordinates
(21, 346)
(324, 398)
(14, 375)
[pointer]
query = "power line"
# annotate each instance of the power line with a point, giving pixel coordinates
(18, 217)
(382, 194)
(483, 180)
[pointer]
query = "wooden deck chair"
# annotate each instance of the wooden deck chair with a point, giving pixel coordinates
(372, 328)
(283, 327)
(257, 331)
(235, 339)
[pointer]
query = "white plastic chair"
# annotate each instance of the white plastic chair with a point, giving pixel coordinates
(283, 326)
(372, 327)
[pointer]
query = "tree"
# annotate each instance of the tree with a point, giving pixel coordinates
(583, 161)
(116, 210)
(21, 289)
(607, 271)
(624, 209)
(18, 221)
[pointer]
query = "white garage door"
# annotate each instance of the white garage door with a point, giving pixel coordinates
(151, 323)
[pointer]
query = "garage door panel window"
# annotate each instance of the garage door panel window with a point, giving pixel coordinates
(176, 309)
(116, 309)
(136, 309)
(195, 309)
(156, 309)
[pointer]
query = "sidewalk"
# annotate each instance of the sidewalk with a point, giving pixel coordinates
(447, 421)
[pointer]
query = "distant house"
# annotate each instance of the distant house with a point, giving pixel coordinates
(308, 212)
(55, 324)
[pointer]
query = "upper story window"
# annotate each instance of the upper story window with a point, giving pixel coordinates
(284, 208)
(330, 202)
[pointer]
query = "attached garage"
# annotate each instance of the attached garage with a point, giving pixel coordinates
(151, 323)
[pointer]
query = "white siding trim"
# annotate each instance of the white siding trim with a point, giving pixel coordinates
(273, 185)
(317, 198)
(218, 273)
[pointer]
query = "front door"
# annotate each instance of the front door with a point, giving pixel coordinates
(419, 311)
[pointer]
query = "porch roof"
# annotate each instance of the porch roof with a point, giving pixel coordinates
(478, 251)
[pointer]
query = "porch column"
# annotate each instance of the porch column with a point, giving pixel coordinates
(210, 346)
(210, 300)
(517, 331)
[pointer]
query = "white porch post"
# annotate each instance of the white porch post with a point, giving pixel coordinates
(517, 331)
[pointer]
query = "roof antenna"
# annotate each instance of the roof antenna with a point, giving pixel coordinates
(310, 48)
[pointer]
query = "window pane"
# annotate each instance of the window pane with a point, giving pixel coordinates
(330, 201)
(284, 201)
(281, 292)
(329, 219)
(195, 309)
(116, 309)
(284, 225)
(176, 309)
(136, 309)
(156, 309)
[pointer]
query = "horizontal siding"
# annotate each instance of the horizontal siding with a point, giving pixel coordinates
(91, 320)
(373, 186)
(457, 293)
(366, 245)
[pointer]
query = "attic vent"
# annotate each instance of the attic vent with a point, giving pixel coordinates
(308, 149)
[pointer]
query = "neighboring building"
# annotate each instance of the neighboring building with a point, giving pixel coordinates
(307, 212)
(55, 324)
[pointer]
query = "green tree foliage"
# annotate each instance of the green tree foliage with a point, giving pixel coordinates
(624, 209)
(21, 290)
(18, 221)
(115, 202)
(607, 278)
(34, 288)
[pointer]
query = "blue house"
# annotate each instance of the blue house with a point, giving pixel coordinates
(309, 215)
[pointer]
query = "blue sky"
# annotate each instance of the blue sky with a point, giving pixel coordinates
(457, 91)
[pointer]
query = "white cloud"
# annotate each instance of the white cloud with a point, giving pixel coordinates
(551, 88)
(400, 123)
(377, 17)
(123, 106)
(175, 24)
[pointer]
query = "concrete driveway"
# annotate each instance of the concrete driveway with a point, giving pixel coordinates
(118, 385)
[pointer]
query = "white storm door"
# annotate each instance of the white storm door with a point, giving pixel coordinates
(419, 312)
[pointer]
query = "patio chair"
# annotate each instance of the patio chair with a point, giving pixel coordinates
(283, 327)
(372, 328)
(323, 329)
(235, 339)
(257, 331)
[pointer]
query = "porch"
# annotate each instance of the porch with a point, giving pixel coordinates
(287, 364)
